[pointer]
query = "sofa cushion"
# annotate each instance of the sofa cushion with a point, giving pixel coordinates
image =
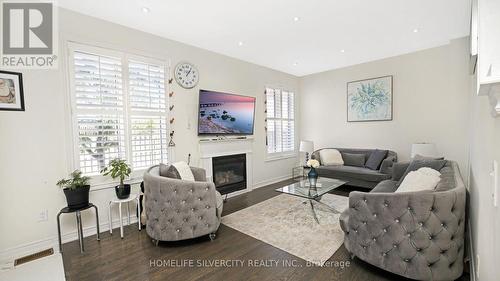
(346, 172)
(353, 159)
(330, 156)
(385, 186)
(448, 177)
(398, 170)
(376, 157)
(417, 164)
(169, 171)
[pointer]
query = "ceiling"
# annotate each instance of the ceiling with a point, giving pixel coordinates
(299, 37)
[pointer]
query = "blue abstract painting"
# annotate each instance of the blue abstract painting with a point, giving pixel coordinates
(369, 100)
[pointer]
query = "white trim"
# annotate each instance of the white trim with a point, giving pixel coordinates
(272, 181)
(8, 255)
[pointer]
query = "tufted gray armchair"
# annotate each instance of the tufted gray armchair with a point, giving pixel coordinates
(419, 235)
(177, 209)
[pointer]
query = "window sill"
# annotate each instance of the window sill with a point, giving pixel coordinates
(273, 157)
(112, 184)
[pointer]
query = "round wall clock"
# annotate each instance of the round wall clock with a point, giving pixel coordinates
(186, 75)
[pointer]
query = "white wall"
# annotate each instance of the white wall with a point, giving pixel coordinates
(430, 98)
(35, 145)
(484, 217)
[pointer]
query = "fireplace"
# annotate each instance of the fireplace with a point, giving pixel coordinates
(229, 173)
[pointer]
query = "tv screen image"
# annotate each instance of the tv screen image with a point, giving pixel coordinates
(225, 114)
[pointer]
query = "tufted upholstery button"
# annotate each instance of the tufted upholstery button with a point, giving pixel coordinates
(418, 249)
(386, 205)
(407, 260)
(185, 220)
(365, 200)
(183, 201)
(443, 225)
(395, 246)
(175, 190)
(421, 223)
(409, 234)
(385, 229)
(375, 215)
(199, 198)
(364, 222)
(191, 190)
(364, 247)
(431, 237)
(208, 207)
(384, 254)
(409, 208)
(356, 230)
(374, 239)
(206, 188)
(200, 217)
(178, 230)
(396, 220)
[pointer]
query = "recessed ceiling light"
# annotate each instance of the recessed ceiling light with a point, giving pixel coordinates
(145, 10)
(296, 19)
(342, 51)
(415, 30)
(240, 43)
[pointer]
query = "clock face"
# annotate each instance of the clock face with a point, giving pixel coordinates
(186, 75)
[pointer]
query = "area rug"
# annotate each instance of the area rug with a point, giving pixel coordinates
(286, 223)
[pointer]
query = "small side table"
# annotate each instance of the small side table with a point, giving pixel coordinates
(67, 210)
(132, 197)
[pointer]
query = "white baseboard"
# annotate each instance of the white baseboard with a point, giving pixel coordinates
(7, 256)
(473, 275)
(271, 181)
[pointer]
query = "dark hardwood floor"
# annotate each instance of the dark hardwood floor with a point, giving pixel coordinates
(133, 257)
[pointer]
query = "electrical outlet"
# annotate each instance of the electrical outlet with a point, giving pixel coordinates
(43, 215)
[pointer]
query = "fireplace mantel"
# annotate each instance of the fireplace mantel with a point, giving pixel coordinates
(214, 148)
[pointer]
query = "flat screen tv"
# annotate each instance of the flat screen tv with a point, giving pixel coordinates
(225, 114)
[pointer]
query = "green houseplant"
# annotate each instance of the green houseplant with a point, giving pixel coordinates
(118, 168)
(76, 189)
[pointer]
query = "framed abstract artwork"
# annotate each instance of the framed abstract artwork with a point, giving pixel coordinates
(370, 100)
(11, 91)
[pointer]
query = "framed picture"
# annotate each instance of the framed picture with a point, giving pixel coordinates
(11, 91)
(370, 100)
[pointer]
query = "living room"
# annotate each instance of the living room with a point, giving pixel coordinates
(239, 95)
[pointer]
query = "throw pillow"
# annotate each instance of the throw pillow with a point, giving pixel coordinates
(330, 156)
(375, 159)
(421, 157)
(417, 164)
(169, 171)
(420, 180)
(399, 169)
(353, 159)
(184, 171)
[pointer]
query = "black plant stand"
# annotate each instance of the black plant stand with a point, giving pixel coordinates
(67, 210)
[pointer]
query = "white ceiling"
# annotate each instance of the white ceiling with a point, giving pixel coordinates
(366, 30)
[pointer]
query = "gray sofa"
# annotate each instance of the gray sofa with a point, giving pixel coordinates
(177, 209)
(419, 235)
(357, 176)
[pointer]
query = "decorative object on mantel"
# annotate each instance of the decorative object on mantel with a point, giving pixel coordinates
(171, 94)
(424, 149)
(171, 120)
(370, 99)
(307, 147)
(118, 168)
(170, 81)
(312, 176)
(171, 143)
(186, 75)
(11, 91)
(76, 190)
(171, 107)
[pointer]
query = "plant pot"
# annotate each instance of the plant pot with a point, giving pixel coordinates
(78, 197)
(122, 192)
(312, 176)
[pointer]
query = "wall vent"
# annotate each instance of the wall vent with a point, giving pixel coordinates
(35, 256)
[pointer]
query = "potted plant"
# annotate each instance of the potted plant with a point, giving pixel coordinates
(118, 168)
(76, 189)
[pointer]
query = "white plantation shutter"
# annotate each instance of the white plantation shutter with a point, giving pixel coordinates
(148, 119)
(119, 109)
(99, 110)
(280, 121)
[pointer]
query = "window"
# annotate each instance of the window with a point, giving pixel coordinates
(119, 109)
(280, 121)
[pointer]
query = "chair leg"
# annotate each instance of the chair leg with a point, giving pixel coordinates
(156, 242)
(212, 236)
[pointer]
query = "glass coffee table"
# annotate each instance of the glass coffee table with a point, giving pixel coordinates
(313, 194)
